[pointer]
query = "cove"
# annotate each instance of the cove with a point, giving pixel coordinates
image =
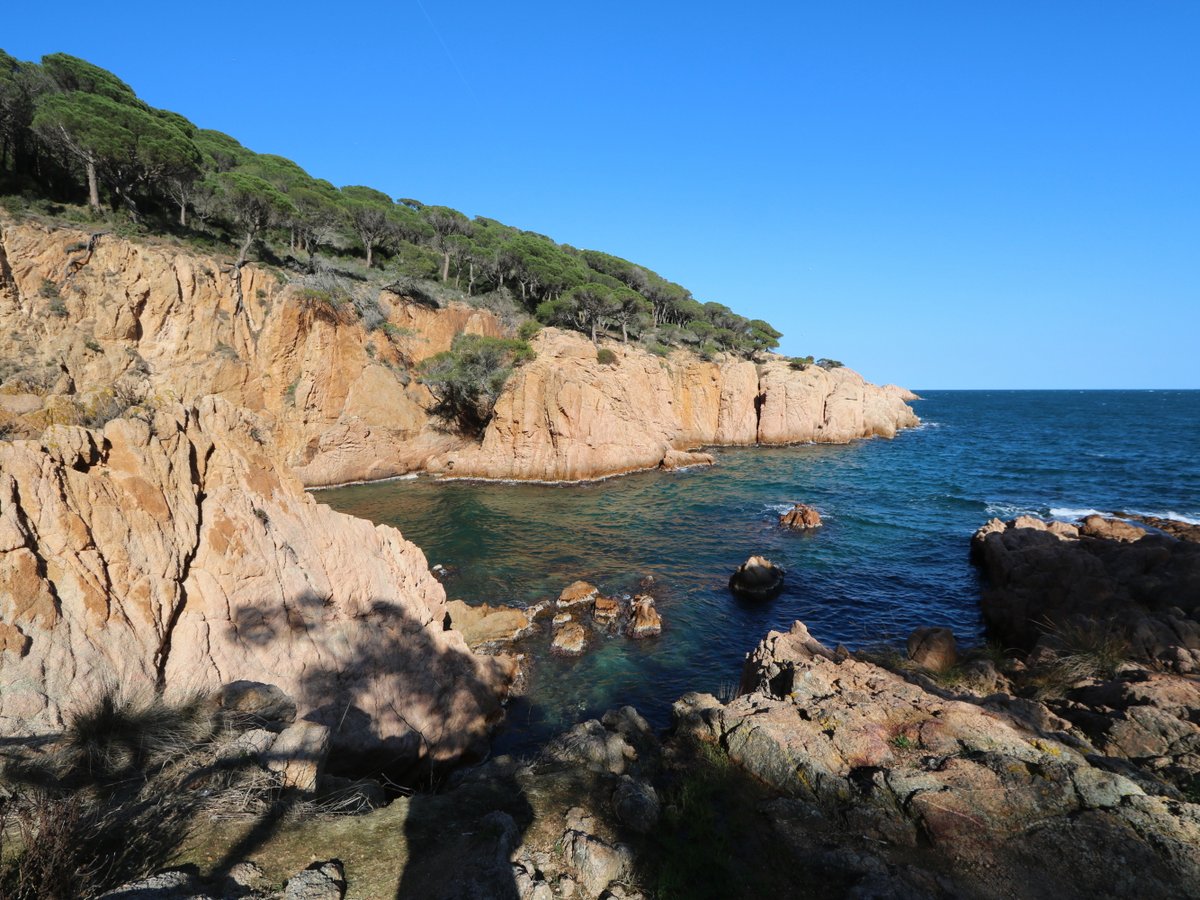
(892, 555)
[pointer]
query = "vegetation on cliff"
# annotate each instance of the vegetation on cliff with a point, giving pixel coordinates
(73, 133)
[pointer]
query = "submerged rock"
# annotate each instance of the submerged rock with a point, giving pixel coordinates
(801, 517)
(757, 578)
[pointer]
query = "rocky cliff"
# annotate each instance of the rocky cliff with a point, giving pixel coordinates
(80, 314)
(565, 416)
(169, 551)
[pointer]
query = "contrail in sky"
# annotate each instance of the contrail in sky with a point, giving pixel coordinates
(449, 55)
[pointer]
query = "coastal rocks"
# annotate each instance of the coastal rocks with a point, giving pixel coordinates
(903, 764)
(577, 593)
(636, 805)
(933, 648)
(565, 417)
(605, 611)
(644, 620)
(1104, 577)
(800, 517)
(674, 460)
(570, 639)
(171, 553)
(757, 579)
(484, 624)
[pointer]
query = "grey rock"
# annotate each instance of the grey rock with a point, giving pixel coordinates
(320, 881)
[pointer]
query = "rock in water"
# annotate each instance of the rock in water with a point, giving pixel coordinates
(569, 640)
(800, 517)
(605, 610)
(674, 460)
(576, 593)
(644, 620)
(757, 577)
(933, 649)
(486, 624)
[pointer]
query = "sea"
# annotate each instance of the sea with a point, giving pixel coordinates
(892, 555)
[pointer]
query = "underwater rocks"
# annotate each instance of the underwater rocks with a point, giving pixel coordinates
(757, 578)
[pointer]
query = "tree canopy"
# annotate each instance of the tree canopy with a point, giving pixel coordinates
(73, 132)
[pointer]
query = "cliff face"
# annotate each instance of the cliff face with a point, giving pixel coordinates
(564, 416)
(171, 551)
(339, 400)
(334, 395)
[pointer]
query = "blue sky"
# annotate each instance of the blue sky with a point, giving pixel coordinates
(943, 195)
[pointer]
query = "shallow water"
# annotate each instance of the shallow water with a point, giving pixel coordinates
(892, 555)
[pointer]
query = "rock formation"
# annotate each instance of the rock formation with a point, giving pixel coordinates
(800, 517)
(1003, 792)
(565, 417)
(170, 552)
(757, 578)
(1103, 575)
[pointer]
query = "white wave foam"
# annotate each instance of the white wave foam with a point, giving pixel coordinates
(779, 509)
(1067, 512)
(1186, 518)
(1009, 510)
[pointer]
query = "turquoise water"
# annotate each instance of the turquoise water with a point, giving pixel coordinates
(892, 555)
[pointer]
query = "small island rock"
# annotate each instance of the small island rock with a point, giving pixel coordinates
(757, 577)
(576, 593)
(644, 620)
(800, 517)
(570, 640)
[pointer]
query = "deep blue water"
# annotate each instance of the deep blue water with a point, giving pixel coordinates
(892, 555)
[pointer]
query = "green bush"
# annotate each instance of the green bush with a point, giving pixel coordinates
(606, 357)
(466, 379)
(529, 329)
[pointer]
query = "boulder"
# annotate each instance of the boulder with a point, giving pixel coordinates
(636, 805)
(484, 624)
(569, 640)
(605, 610)
(674, 460)
(257, 703)
(320, 881)
(800, 517)
(576, 593)
(933, 648)
(644, 620)
(757, 578)
(299, 755)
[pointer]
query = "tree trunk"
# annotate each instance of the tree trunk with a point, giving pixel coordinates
(593, 332)
(183, 213)
(445, 266)
(93, 185)
(246, 242)
(624, 334)
(370, 252)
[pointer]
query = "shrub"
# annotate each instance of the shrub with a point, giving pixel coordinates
(529, 329)
(800, 363)
(829, 363)
(466, 379)
(606, 357)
